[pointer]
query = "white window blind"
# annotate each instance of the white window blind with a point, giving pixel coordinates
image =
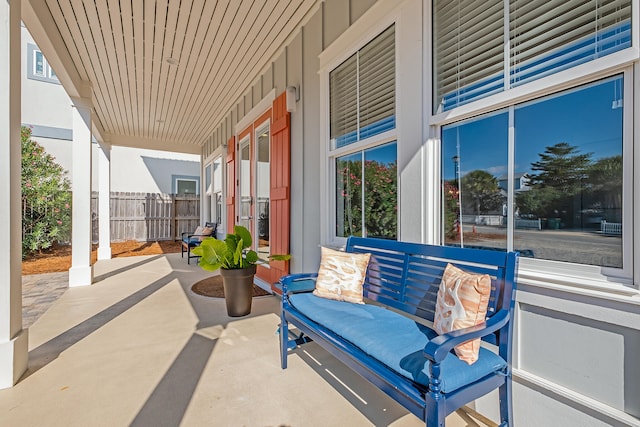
(343, 82)
(377, 85)
(362, 92)
(547, 37)
(468, 51)
(544, 37)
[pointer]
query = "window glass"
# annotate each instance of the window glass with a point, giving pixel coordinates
(474, 167)
(186, 186)
(544, 38)
(568, 155)
(207, 178)
(567, 177)
(468, 51)
(217, 174)
(263, 191)
(549, 37)
(362, 92)
(245, 185)
(38, 66)
(381, 191)
(366, 193)
(349, 195)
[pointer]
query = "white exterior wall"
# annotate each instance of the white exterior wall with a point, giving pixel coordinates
(43, 103)
(576, 342)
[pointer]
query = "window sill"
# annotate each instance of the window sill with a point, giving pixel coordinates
(612, 288)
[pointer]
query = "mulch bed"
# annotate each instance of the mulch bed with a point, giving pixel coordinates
(212, 287)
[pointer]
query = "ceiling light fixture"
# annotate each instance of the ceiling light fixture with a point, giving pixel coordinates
(171, 61)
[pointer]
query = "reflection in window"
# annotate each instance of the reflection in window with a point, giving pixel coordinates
(38, 65)
(474, 182)
(573, 169)
(263, 188)
(245, 186)
(366, 193)
(567, 178)
(217, 189)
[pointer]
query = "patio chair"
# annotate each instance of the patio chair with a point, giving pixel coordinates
(191, 240)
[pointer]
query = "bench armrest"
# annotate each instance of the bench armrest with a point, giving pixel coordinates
(287, 280)
(438, 348)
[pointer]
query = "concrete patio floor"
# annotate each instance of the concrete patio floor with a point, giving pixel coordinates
(139, 348)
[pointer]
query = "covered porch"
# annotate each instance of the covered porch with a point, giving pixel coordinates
(140, 348)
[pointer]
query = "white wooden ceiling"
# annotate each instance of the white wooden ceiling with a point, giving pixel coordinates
(162, 73)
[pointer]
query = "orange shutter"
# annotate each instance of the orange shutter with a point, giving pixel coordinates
(231, 184)
(279, 202)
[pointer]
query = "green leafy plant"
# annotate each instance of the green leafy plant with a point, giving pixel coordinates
(46, 198)
(231, 253)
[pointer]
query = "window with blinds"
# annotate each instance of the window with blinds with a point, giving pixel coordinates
(468, 51)
(544, 38)
(362, 92)
(548, 37)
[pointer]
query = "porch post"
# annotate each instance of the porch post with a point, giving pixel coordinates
(81, 271)
(13, 339)
(104, 196)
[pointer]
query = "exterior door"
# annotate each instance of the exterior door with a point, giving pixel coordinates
(262, 188)
(253, 189)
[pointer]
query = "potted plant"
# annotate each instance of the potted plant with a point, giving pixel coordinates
(237, 264)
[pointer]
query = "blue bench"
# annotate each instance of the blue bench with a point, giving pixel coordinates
(389, 341)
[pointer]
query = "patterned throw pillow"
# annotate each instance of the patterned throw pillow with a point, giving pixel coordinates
(341, 275)
(461, 303)
(206, 232)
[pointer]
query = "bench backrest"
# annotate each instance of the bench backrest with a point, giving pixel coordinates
(406, 276)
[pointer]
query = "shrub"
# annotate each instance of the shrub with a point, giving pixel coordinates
(46, 198)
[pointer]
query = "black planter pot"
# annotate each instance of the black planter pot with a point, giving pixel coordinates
(238, 290)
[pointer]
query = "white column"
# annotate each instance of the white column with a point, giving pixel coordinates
(81, 271)
(104, 196)
(13, 339)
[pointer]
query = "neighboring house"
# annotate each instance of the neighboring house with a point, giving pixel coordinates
(520, 182)
(46, 109)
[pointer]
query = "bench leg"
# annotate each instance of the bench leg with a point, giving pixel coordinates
(506, 409)
(284, 339)
(434, 399)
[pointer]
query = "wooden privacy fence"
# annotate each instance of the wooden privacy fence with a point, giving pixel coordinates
(148, 217)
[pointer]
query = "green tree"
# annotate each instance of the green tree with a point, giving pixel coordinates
(480, 189)
(46, 197)
(381, 200)
(451, 208)
(562, 168)
(562, 176)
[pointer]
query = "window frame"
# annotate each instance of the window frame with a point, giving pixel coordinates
(176, 178)
(544, 272)
(329, 154)
(49, 75)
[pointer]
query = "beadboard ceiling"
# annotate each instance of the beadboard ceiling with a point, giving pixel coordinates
(161, 74)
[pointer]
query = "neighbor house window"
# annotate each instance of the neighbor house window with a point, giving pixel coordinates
(362, 147)
(565, 180)
(185, 185)
(470, 45)
(37, 66)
